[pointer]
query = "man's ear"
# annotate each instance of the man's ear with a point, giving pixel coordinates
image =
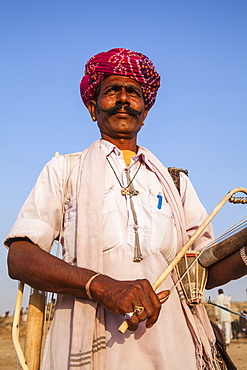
(92, 109)
(145, 113)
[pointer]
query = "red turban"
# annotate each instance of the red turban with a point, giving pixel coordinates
(122, 62)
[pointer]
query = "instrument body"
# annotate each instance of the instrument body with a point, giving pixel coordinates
(193, 277)
(224, 248)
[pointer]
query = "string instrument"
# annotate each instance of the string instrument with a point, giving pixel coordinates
(229, 196)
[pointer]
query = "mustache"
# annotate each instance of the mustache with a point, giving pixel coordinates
(116, 108)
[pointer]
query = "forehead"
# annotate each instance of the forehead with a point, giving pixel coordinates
(119, 80)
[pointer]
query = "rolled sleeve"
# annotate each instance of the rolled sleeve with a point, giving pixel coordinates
(37, 231)
(41, 215)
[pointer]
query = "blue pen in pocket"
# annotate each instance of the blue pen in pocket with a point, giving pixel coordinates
(159, 196)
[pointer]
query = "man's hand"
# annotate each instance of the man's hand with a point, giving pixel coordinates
(122, 296)
(30, 264)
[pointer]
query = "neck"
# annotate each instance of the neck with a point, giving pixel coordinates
(123, 144)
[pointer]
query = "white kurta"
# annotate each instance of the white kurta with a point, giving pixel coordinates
(162, 346)
(154, 348)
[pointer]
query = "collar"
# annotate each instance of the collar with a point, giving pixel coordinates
(111, 149)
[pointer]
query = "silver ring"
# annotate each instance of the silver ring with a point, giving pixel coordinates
(128, 315)
(138, 310)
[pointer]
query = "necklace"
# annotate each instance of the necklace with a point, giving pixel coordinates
(126, 190)
(130, 190)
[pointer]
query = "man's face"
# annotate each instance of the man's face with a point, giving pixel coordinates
(120, 92)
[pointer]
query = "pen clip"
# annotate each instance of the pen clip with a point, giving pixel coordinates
(159, 196)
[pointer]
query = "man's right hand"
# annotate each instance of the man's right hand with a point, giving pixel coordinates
(122, 296)
(30, 264)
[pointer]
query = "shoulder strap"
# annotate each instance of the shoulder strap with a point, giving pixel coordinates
(175, 174)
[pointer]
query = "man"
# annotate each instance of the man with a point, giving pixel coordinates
(224, 318)
(123, 223)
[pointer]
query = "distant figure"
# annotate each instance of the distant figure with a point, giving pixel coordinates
(223, 317)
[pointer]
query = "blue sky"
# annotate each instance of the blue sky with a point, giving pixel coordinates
(199, 119)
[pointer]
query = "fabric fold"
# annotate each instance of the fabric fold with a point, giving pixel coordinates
(87, 330)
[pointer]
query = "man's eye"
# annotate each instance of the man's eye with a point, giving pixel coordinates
(111, 90)
(134, 92)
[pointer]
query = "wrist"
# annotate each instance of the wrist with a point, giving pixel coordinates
(101, 287)
(88, 284)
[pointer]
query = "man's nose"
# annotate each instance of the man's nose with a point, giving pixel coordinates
(122, 96)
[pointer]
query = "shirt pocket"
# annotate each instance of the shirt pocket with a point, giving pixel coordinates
(163, 232)
(109, 204)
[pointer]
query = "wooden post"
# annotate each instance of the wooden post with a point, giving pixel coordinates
(34, 329)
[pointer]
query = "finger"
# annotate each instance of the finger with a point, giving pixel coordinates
(142, 304)
(163, 296)
(156, 306)
(141, 294)
(133, 323)
(138, 314)
(150, 300)
(132, 295)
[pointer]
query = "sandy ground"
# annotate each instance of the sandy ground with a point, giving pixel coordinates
(237, 350)
(238, 353)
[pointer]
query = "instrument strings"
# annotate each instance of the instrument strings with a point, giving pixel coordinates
(232, 230)
(240, 225)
